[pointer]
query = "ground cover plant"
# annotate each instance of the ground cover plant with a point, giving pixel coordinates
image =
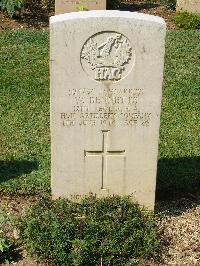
(171, 4)
(11, 5)
(109, 231)
(24, 115)
(7, 247)
(187, 20)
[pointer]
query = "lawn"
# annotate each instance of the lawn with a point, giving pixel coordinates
(24, 114)
(24, 101)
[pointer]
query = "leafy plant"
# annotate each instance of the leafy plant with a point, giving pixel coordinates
(4, 243)
(109, 231)
(113, 4)
(40, 8)
(187, 20)
(81, 8)
(11, 6)
(170, 4)
(5, 246)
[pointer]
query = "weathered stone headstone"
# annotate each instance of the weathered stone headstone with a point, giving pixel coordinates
(188, 5)
(106, 86)
(65, 6)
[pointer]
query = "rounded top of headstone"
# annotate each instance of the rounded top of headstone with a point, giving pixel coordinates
(107, 14)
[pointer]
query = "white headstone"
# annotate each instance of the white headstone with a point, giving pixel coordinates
(192, 6)
(106, 86)
(65, 6)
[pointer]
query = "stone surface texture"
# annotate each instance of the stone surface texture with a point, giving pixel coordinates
(106, 89)
(188, 5)
(65, 6)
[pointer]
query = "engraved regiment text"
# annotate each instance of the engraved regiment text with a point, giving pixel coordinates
(121, 108)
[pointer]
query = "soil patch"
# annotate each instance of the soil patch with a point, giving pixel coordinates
(154, 8)
(27, 20)
(180, 227)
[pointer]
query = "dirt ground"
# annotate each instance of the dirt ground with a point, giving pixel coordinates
(27, 20)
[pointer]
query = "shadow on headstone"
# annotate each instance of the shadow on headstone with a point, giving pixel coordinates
(137, 6)
(178, 178)
(13, 168)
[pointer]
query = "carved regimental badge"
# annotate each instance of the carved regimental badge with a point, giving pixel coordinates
(107, 56)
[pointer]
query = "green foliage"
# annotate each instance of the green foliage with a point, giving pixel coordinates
(187, 20)
(113, 4)
(81, 8)
(4, 243)
(11, 5)
(170, 4)
(5, 247)
(111, 231)
(40, 8)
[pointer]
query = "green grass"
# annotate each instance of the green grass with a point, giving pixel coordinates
(24, 101)
(179, 150)
(24, 114)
